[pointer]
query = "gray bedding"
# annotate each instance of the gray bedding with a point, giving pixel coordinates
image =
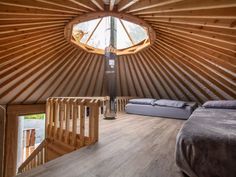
(206, 144)
(161, 111)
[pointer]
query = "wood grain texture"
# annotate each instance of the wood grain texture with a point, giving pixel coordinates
(129, 146)
(13, 111)
(2, 137)
(193, 57)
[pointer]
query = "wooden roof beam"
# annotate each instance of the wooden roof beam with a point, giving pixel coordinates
(33, 5)
(125, 4)
(185, 6)
(147, 4)
(112, 4)
(84, 3)
(190, 9)
(99, 4)
(60, 4)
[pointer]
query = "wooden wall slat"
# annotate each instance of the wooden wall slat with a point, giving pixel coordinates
(193, 58)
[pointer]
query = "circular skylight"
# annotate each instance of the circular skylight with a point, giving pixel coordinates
(94, 35)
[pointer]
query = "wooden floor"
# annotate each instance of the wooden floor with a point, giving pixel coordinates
(130, 146)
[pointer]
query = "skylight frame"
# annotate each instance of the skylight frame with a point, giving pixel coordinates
(121, 16)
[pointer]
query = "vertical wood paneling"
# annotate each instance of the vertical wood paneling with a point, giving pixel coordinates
(193, 58)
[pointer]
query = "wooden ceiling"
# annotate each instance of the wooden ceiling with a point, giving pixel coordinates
(193, 58)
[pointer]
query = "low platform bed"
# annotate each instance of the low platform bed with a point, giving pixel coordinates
(170, 110)
(206, 144)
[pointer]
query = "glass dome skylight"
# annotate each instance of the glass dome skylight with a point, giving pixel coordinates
(94, 35)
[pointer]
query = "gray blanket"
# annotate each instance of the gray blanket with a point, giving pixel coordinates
(206, 144)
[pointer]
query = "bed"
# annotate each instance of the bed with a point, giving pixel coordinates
(171, 110)
(206, 144)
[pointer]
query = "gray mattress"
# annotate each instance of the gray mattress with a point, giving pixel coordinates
(161, 111)
(206, 144)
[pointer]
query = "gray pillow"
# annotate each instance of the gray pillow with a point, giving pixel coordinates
(170, 103)
(144, 101)
(220, 104)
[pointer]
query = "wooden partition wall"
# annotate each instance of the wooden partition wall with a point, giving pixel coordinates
(13, 111)
(2, 137)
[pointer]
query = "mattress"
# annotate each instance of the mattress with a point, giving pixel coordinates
(161, 111)
(206, 144)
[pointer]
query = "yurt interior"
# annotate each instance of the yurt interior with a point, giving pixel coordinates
(118, 88)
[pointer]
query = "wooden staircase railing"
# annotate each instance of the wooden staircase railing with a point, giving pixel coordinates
(71, 123)
(29, 144)
(36, 158)
(103, 100)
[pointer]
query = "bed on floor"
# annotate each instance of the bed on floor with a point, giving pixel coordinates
(206, 144)
(161, 108)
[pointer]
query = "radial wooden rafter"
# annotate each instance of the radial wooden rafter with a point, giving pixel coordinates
(193, 57)
(112, 4)
(98, 3)
(125, 4)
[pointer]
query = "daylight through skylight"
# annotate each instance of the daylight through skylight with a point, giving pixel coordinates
(95, 34)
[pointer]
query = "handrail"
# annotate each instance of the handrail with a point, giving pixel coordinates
(121, 101)
(36, 158)
(103, 100)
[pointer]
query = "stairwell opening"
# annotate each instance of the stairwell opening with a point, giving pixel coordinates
(31, 132)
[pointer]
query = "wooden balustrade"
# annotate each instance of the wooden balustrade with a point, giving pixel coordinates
(36, 158)
(72, 122)
(102, 100)
(121, 102)
(29, 142)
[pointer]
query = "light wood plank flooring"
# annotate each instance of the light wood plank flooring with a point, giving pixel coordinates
(130, 146)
